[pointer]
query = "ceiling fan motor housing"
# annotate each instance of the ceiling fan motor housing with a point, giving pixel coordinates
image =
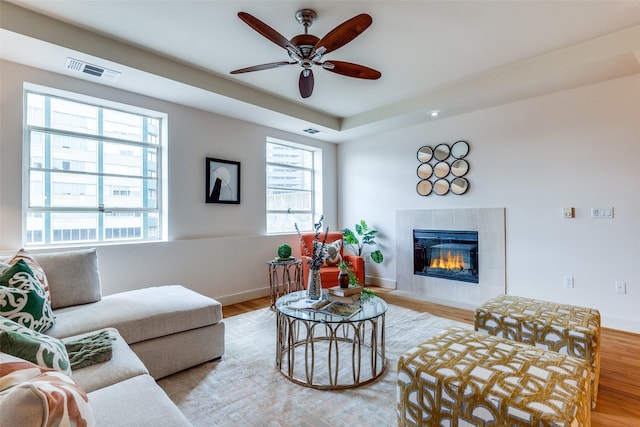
(305, 44)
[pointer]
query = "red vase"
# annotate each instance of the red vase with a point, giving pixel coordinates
(343, 279)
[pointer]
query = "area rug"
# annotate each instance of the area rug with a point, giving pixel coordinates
(244, 388)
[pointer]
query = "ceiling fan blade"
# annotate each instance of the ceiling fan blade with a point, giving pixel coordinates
(351, 70)
(267, 31)
(262, 67)
(342, 34)
(305, 83)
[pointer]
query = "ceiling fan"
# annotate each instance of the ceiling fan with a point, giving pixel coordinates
(308, 50)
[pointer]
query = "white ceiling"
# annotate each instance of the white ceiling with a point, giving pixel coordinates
(448, 56)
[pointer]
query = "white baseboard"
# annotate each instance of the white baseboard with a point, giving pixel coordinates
(626, 325)
(379, 281)
(607, 322)
(448, 303)
(243, 296)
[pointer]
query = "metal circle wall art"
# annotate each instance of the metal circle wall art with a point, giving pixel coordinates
(442, 169)
(424, 187)
(459, 186)
(459, 168)
(424, 154)
(460, 149)
(425, 170)
(442, 152)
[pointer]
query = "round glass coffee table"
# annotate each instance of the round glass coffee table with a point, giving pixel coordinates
(330, 352)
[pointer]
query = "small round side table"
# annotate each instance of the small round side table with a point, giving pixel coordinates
(284, 277)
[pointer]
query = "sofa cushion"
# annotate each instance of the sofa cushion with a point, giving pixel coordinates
(124, 364)
(141, 314)
(141, 399)
(22, 298)
(32, 346)
(34, 396)
(73, 276)
(332, 253)
(181, 351)
(34, 266)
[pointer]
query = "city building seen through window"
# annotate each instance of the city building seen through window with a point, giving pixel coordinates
(94, 172)
(293, 190)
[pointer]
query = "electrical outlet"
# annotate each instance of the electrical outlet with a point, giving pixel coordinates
(568, 281)
(568, 213)
(621, 288)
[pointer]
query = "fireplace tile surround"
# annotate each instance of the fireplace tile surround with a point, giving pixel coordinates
(490, 225)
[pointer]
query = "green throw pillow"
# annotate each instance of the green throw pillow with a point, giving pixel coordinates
(43, 350)
(23, 299)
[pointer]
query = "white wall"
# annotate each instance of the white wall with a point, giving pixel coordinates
(578, 148)
(219, 250)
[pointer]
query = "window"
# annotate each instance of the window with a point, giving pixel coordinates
(293, 182)
(94, 170)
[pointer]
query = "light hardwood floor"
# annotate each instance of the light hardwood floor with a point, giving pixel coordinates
(619, 391)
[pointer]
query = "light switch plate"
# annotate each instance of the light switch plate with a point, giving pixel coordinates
(606, 213)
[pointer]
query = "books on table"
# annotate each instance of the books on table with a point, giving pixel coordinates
(344, 292)
(350, 299)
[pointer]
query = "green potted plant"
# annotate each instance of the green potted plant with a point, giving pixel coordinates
(284, 252)
(345, 270)
(362, 237)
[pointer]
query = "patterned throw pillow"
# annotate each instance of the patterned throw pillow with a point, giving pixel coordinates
(32, 395)
(43, 350)
(23, 300)
(332, 253)
(35, 267)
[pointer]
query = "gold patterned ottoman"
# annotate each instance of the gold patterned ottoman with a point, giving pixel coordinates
(566, 329)
(462, 377)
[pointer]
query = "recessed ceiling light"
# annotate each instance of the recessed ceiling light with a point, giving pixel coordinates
(434, 114)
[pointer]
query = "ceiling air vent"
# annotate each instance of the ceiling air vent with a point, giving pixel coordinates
(92, 70)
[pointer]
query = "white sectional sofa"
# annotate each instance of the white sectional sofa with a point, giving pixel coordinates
(158, 331)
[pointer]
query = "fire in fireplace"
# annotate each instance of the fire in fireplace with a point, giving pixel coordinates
(446, 254)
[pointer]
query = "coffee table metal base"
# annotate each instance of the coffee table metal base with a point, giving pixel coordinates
(330, 356)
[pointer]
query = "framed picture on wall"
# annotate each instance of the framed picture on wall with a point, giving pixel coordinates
(222, 181)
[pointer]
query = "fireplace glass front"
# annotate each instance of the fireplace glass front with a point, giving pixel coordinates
(446, 254)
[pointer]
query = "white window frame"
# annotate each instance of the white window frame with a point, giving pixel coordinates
(161, 178)
(316, 187)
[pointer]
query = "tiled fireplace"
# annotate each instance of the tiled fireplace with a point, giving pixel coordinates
(472, 241)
